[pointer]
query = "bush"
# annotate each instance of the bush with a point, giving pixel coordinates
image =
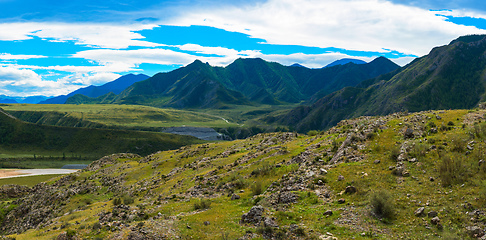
(312, 133)
(257, 188)
(128, 200)
(458, 144)
(394, 153)
(117, 201)
(202, 204)
(265, 169)
(382, 205)
(452, 169)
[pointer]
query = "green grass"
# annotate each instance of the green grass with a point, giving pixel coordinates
(130, 116)
(28, 181)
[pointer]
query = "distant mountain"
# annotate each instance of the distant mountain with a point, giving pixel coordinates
(297, 65)
(7, 100)
(116, 86)
(345, 61)
(449, 77)
(31, 100)
(243, 82)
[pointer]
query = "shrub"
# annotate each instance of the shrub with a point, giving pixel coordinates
(419, 150)
(458, 144)
(382, 205)
(265, 169)
(257, 188)
(312, 133)
(452, 169)
(394, 153)
(202, 204)
(117, 201)
(240, 183)
(96, 226)
(128, 200)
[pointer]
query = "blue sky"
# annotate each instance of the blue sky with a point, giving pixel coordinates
(55, 47)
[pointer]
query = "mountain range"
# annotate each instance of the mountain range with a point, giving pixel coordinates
(449, 77)
(116, 87)
(243, 82)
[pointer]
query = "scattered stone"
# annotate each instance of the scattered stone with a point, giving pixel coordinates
(474, 231)
(391, 168)
(419, 212)
(340, 178)
(328, 213)
(405, 174)
(323, 171)
(376, 161)
(432, 214)
(341, 201)
(431, 179)
(287, 197)
(435, 220)
(206, 223)
(235, 197)
(270, 222)
(350, 189)
(412, 160)
(328, 236)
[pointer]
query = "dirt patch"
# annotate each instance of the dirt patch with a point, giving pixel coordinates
(6, 173)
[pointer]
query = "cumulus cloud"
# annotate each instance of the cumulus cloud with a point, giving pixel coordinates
(364, 25)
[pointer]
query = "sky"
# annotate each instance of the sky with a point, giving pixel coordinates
(53, 47)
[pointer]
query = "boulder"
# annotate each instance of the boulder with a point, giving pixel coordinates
(435, 220)
(254, 216)
(328, 213)
(419, 212)
(350, 189)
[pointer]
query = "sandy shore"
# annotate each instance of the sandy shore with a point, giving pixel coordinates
(9, 173)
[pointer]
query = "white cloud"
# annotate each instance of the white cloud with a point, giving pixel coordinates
(364, 25)
(91, 34)
(8, 56)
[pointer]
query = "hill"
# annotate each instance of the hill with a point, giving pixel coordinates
(244, 82)
(449, 77)
(116, 87)
(402, 176)
(26, 140)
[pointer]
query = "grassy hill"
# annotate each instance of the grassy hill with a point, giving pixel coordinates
(19, 139)
(402, 176)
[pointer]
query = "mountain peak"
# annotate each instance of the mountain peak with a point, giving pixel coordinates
(345, 61)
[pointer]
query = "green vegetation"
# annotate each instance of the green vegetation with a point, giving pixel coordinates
(49, 144)
(202, 191)
(28, 181)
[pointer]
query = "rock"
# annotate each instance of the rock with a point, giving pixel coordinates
(270, 222)
(341, 201)
(431, 179)
(340, 178)
(391, 168)
(328, 213)
(287, 197)
(206, 223)
(376, 161)
(253, 216)
(350, 189)
(412, 160)
(435, 220)
(419, 212)
(405, 174)
(323, 171)
(438, 117)
(474, 231)
(432, 214)
(328, 236)
(235, 197)
(408, 133)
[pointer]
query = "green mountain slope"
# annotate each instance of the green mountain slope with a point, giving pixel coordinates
(244, 82)
(449, 77)
(21, 138)
(402, 176)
